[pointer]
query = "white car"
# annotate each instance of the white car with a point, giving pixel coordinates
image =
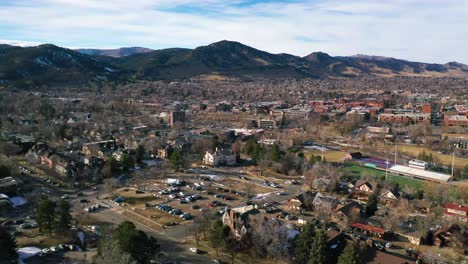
(194, 250)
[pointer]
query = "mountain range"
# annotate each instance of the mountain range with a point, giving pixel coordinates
(50, 65)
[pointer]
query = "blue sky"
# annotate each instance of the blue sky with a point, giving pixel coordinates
(420, 30)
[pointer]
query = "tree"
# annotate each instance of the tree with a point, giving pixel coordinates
(142, 249)
(371, 206)
(45, 216)
(123, 234)
(111, 253)
(140, 153)
(318, 250)
(7, 246)
(303, 244)
(176, 159)
(127, 162)
(197, 231)
(63, 217)
(274, 153)
(110, 167)
(234, 245)
(9, 149)
(350, 255)
(4, 171)
(216, 235)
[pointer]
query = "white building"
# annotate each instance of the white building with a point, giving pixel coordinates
(220, 157)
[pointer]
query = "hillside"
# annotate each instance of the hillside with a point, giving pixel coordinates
(50, 65)
(115, 53)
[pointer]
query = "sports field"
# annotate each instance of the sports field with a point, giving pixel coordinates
(353, 169)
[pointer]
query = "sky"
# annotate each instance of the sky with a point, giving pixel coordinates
(418, 30)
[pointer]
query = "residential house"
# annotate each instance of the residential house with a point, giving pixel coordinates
(322, 184)
(325, 203)
(302, 201)
(456, 212)
(389, 197)
(364, 188)
(165, 151)
(347, 212)
(371, 230)
(238, 218)
(38, 150)
(421, 206)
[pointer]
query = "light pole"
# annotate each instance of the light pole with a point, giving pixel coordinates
(386, 170)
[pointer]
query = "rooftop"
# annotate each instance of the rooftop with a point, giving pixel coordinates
(420, 173)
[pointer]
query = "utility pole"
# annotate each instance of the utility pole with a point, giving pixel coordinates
(386, 170)
(321, 158)
(453, 162)
(396, 151)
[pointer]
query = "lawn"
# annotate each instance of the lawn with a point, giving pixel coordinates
(329, 155)
(352, 169)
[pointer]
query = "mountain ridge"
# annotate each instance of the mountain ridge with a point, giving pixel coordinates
(51, 65)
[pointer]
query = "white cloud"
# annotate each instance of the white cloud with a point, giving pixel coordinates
(20, 43)
(429, 30)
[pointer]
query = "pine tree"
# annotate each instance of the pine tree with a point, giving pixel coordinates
(63, 217)
(350, 255)
(176, 159)
(303, 244)
(8, 247)
(216, 235)
(318, 251)
(371, 206)
(140, 153)
(45, 216)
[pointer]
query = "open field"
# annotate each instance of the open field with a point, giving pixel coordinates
(414, 151)
(329, 155)
(158, 216)
(355, 170)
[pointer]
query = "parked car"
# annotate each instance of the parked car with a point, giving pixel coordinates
(195, 250)
(186, 216)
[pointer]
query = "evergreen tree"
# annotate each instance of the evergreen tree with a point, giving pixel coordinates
(142, 249)
(127, 162)
(4, 171)
(303, 244)
(110, 167)
(123, 234)
(140, 153)
(63, 217)
(216, 235)
(176, 159)
(45, 216)
(350, 255)
(8, 247)
(371, 206)
(318, 250)
(275, 153)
